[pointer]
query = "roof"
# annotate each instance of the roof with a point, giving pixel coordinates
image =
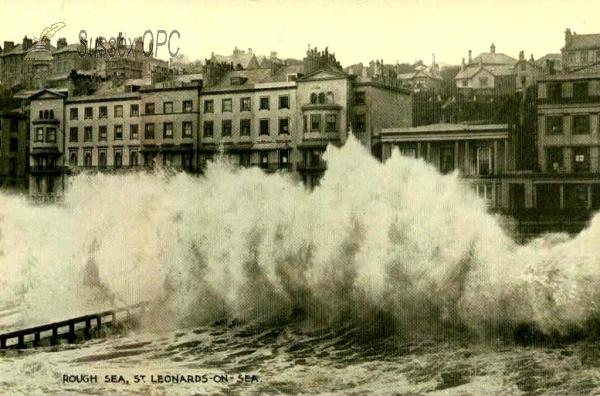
(583, 41)
(18, 50)
(591, 71)
(242, 59)
(98, 96)
(254, 76)
(68, 48)
(447, 128)
(489, 58)
(59, 93)
(496, 70)
(189, 77)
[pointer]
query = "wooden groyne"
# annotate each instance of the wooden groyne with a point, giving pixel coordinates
(70, 327)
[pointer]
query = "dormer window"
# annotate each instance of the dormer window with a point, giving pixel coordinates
(238, 80)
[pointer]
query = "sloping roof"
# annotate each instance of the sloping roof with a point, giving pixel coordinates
(591, 71)
(18, 49)
(253, 76)
(496, 70)
(68, 48)
(488, 58)
(583, 41)
(241, 59)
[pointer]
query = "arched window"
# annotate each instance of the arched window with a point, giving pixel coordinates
(118, 159)
(51, 113)
(313, 98)
(87, 160)
(45, 113)
(41, 114)
(102, 159)
(73, 159)
(330, 97)
(321, 98)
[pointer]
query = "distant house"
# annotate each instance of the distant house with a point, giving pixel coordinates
(489, 72)
(551, 62)
(580, 50)
(528, 72)
(240, 59)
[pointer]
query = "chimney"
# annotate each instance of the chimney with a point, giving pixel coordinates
(567, 35)
(273, 55)
(27, 43)
(531, 58)
(492, 49)
(61, 43)
(463, 65)
(249, 50)
(470, 60)
(8, 46)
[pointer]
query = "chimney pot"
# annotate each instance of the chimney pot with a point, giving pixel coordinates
(470, 56)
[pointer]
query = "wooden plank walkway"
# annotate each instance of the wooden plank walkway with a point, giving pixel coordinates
(68, 328)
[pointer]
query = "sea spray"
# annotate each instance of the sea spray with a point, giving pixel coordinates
(395, 241)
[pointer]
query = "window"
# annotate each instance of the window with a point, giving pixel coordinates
(226, 105)
(554, 156)
(581, 159)
(74, 113)
(329, 97)
(245, 158)
(87, 134)
(313, 98)
(168, 130)
(149, 131)
(264, 127)
(38, 184)
(484, 161)
(88, 113)
(304, 124)
(209, 106)
(583, 56)
(331, 123)
(14, 144)
(87, 158)
(134, 110)
(149, 108)
(167, 107)
(51, 114)
(465, 83)
(102, 159)
(359, 98)
(284, 159)
(244, 127)
(103, 112)
(483, 81)
(575, 196)
(446, 160)
(41, 115)
(485, 192)
(186, 129)
(359, 122)
(118, 132)
(581, 124)
(51, 134)
(73, 158)
(554, 125)
(187, 106)
(554, 91)
(264, 103)
(226, 128)
(315, 122)
(133, 131)
(39, 134)
(580, 90)
(50, 185)
(284, 126)
(245, 104)
(133, 158)
(408, 152)
(73, 134)
(208, 129)
(264, 159)
(321, 97)
(284, 102)
(102, 133)
(118, 158)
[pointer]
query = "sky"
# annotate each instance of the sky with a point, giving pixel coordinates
(355, 30)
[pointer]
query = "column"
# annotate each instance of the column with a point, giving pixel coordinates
(495, 157)
(506, 158)
(589, 196)
(456, 163)
(562, 196)
(419, 150)
(467, 158)
(428, 152)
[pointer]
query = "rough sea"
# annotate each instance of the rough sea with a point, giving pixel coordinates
(387, 279)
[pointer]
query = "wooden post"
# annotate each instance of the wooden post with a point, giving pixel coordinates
(36, 340)
(21, 341)
(2, 342)
(72, 336)
(88, 326)
(54, 339)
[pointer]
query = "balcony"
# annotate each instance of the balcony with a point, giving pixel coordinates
(45, 169)
(314, 166)
(271, 166)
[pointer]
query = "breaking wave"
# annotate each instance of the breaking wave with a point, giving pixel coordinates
(394, 246)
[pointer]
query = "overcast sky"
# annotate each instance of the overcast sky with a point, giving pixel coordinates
(356, 30)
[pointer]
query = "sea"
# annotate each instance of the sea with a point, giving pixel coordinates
(386, 279)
